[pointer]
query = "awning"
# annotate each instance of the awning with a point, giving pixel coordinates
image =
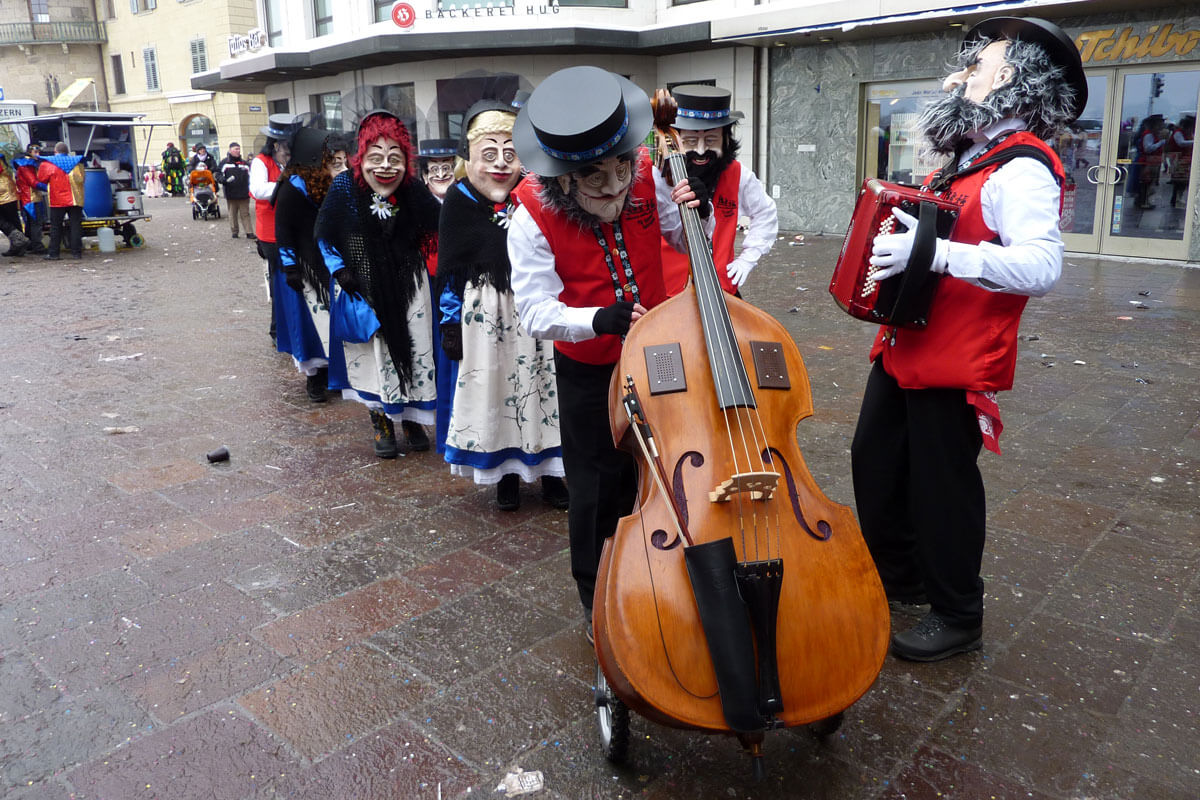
(68, 95)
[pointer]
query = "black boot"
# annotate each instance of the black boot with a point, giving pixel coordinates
(315, 385)
(385, 435)
(554, 492)
(508, 493)
(414, 434)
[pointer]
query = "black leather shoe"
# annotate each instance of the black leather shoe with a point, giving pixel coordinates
(415, 436)
(508, 493)
(314, 386)
(554, 492)
(49, 257)
(235, 236)
(933, 639)
(251, 236)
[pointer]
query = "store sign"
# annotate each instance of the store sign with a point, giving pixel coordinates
(1109, 44)
(252, 42)
(403, 15)
(517, 9)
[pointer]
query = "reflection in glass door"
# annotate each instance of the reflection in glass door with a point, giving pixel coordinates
(1081, 150)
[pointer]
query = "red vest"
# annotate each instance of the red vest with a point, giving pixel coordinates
(971, 340)
(580, 262)
(677, 268)
(264, 211)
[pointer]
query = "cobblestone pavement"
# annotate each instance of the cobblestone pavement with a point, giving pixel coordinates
(308, 621)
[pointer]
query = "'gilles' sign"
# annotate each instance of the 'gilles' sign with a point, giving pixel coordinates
(403, 15)
(253, 41)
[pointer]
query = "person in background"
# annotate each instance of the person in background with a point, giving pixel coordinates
(703, 132)
(265, 170)
(436, 163)
(10, 210)
(930, 400)
(1179, 154)
(503, 428)
(63, 175)
(31, 197)
(152, 182)
(233, 173)
(173, 166)
(202, 156)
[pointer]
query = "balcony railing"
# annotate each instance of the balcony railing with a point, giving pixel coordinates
(52, 33)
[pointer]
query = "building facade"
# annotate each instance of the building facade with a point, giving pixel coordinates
(829, 90)
(45, 47)
(155, 47)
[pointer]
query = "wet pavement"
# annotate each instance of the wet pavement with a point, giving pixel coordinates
(307, 621)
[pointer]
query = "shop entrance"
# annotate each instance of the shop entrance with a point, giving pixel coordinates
(1129, 163)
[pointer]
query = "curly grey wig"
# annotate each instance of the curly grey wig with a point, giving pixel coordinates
(553, 197)
(1039, 93)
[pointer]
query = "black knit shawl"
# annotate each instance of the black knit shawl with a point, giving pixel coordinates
(384, 254)
(295, 219)
(472, 247)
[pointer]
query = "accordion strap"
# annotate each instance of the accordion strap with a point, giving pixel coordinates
(944, 177)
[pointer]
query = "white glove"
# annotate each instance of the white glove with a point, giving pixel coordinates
(891, 251)
(738, 270)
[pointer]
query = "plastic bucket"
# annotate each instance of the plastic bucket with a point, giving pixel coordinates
(97, 193)
(106, 240)
(128, 201)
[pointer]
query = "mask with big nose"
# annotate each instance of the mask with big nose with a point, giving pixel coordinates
(601, 188)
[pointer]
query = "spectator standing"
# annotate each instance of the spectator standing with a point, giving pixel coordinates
(63, 175)
(234, 174)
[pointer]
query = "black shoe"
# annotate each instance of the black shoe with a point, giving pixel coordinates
(314, 385)
(251, 236)
(385, 435)
(49, 257)
(588, 632)
(415, 436)
(554, 492)
(77, 256)
(933, 639)
(508, 493)
(235, 236)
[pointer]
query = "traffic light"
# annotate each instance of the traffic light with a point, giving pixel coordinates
(1156, 85)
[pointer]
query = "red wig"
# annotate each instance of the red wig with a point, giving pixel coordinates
(387, 127)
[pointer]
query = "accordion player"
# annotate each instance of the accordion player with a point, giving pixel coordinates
(902, 300)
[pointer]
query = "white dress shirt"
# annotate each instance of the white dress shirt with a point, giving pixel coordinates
(261, 186)
(1020, 203)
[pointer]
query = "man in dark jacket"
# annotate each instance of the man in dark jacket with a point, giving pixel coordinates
(234, 174)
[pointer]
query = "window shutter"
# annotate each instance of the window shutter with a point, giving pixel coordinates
(199, 55)
(150, 61)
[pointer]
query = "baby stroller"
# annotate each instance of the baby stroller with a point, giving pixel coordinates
(204, 194)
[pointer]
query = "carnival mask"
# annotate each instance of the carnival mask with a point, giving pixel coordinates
(601, 188)
(336, 163)
(383, 166)
(987, 72)
(701, 147)
(439, 174)
(493, 167)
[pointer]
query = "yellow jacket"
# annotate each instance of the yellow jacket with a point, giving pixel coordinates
(8, 187)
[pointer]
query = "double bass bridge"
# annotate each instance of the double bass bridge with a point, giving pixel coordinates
(759, 485)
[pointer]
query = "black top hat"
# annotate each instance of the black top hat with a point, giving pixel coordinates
(477, 108)
(1059, 47)
(577, 116)
(520, 98)
(306, 145)
(702, 107)
(437, 148)
(279, 126)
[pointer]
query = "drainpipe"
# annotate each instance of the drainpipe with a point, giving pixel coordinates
(762, 56)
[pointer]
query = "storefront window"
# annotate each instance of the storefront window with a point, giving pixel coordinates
(893, 150)
(329, 107)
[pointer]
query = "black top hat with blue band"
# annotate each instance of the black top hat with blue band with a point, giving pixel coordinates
(702, 107)
(279, 126)
(578, 116)
(437, 148)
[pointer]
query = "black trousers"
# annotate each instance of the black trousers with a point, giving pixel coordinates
(603, 479)
(33, 226)
(74, 216)
(920, 495)
(270, 252)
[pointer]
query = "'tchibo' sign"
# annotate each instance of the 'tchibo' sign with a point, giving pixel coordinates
(1158, 41)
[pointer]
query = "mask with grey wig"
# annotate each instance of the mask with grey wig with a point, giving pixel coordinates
(1038, 93)
(553, 197)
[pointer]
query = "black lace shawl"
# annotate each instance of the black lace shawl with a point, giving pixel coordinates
(384, 254)
(472, 244)
(295, 219)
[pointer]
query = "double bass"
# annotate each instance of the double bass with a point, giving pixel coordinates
(737, 597)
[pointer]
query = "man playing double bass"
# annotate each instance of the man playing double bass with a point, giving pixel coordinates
(585, 253)
(930, 403)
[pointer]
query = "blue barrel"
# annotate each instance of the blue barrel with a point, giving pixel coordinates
(97, 193)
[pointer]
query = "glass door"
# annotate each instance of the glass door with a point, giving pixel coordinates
(1129, 163)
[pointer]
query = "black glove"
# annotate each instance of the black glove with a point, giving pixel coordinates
(349, 283)
(295, 280)
(614, 319)
(452, 341)
(703, 194)
(261, 253)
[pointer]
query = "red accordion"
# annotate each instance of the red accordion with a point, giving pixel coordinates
(902, 300)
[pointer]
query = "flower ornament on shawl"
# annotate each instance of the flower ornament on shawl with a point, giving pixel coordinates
(381, 206)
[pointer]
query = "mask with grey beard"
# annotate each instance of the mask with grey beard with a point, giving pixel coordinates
(948, 121)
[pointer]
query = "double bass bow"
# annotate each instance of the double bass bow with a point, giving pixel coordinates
(736, 597)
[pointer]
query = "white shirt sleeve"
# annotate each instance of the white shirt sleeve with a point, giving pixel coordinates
(1019, 202)
(755, 203)
(536, 286)
(261, 186)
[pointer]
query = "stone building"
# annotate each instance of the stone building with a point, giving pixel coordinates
(155, 47)
(829, 90)
(45, 46)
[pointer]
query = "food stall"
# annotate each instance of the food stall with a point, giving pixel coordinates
(112, 181)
